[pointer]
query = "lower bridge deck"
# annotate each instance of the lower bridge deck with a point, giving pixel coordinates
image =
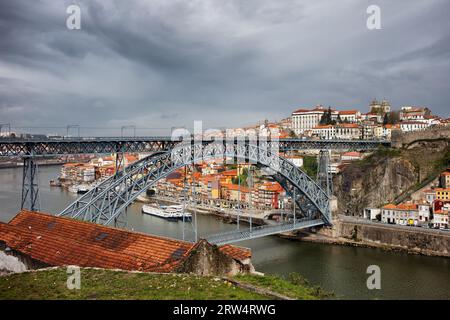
(260, 231)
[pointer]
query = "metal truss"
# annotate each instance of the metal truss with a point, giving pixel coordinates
(107, 200)
(21, 148)
(307, 208)
(99, 145)
(30, 185)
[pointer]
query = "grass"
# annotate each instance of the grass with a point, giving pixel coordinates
(51, 284)
(294, 286)
(380, 153)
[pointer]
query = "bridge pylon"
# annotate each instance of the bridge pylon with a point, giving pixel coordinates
(120, 221)
(30, 185)
(324, 177)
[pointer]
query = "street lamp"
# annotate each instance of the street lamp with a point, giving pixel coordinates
(8, 125)
(128, 127)
(72, 126)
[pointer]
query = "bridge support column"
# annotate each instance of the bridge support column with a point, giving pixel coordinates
(121, 220)
(324, 177)
(30, 185)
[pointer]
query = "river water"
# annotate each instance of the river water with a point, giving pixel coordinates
(339, 269)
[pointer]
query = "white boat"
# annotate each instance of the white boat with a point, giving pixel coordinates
(172, 213)
(177, 208)
(83, 188)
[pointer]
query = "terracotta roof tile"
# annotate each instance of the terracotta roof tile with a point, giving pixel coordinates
(64, 241)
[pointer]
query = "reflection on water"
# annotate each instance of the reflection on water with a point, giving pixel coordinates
(336, 268)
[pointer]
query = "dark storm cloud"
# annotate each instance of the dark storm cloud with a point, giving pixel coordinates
(167, 63)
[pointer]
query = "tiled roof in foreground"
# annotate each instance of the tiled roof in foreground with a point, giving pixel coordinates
(64, 241)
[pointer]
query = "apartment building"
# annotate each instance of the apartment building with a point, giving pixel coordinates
(440, 219)
(304, 120)
(405, 214)
(78, 172)
(409, 126)
(445, 179)
(345, 131)
(411, 113)
(442, 194)
(350, 116)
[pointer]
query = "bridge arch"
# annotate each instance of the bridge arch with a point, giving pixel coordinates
(105, 202)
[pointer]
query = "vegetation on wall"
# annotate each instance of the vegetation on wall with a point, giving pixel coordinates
(310, 166)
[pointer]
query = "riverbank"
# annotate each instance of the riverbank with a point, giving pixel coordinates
(348, 231)
(365, 234)
(370, 235)
(95, 283)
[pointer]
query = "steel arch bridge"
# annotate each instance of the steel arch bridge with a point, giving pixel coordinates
(106, 203)
(117, 192)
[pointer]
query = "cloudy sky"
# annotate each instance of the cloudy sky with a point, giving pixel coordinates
(165, 63)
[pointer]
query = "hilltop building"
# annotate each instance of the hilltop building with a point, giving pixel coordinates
(382, 107)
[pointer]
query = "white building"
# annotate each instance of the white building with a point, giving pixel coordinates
(409, 126)
(424, 212)
(430, 196)
(440, 219)
(371, 213)
(303, 120)
(347, 131)
(324, 132)
(350, 116)
(411, 113)
(403, 214)
(296, 160)
(387, 131)
(351, 156)
(344, 131)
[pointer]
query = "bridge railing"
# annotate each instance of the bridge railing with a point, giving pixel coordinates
(260, 231)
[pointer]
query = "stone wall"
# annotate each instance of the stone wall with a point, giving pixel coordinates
(401, 140)
(206, 259)
(14, 261)
(411, 239)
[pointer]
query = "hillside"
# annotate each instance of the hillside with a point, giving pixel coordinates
(109, 284)
(389, 175)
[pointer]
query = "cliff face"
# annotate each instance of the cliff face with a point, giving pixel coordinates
(373, 184)
(383, 176)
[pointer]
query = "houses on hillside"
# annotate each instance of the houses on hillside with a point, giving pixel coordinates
(433, 211)
(378, 123)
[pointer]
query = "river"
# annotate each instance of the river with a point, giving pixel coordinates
(339, 269)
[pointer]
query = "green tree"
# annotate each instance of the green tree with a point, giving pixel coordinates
(310, 166)
(327, 118)
(394, 117)
(386, 119)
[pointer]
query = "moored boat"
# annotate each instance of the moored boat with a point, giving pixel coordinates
(158, 212)
(83, 188)
(172, 213)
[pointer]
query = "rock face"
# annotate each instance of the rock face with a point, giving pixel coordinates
(373, 184)
(387, 174)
